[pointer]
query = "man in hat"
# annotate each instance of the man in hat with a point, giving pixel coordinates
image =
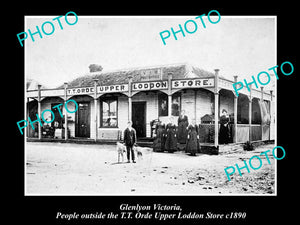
(130, 140)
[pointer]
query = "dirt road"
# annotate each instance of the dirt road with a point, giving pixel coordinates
(77, 169)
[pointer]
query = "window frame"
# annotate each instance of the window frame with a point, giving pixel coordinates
(110, 99)
(176, 94)
(161, 97)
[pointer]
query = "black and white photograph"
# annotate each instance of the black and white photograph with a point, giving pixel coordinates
(152, 114)
(150, 105)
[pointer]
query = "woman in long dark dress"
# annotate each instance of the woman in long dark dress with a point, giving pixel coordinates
(159, 140)
(171, 139)
(224, 128)
(182, 127)
(192, 139)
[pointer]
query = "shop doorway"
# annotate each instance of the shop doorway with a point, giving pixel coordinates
(82, 120)
(139, 118)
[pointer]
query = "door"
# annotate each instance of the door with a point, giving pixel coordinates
(139, 118)
(83, 120)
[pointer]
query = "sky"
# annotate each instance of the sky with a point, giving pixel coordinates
(242, 46)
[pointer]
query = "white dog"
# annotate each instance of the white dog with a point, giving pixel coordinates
(138, 151)
(121, 148)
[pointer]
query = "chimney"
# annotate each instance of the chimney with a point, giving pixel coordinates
(235, 78)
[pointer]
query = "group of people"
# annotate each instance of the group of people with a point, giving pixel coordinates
(185, 133)
(167, 136)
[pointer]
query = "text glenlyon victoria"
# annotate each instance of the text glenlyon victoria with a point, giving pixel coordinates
(138, 207)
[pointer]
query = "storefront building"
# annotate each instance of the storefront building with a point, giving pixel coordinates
(107, 100)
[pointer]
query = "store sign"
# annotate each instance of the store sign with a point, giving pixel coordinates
(100, 89)
(150, 74)
(112, 88)
(194, 83)
(155, 85)
(80, 91)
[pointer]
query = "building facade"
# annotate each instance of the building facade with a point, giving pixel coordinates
(106, 101)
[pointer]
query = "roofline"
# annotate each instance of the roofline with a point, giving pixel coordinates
(138, 68)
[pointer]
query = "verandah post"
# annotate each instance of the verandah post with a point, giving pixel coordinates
(216, 107)
(129, 98)
(250, 112)
(170, 94)
(235, 105)
(261, 121)
(66, 114)
(39, 111)
(95, 108)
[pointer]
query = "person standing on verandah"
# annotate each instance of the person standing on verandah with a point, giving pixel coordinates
(182, 127)
(224, 128)
(171, 139)
(159, 139)
(129, 140)
(192, 145)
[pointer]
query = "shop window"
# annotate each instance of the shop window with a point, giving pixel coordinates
(266, 114)
(176, 104)
(243, 110)
(256, 115)
(162, 104)
(109, 112)
(58, 121)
